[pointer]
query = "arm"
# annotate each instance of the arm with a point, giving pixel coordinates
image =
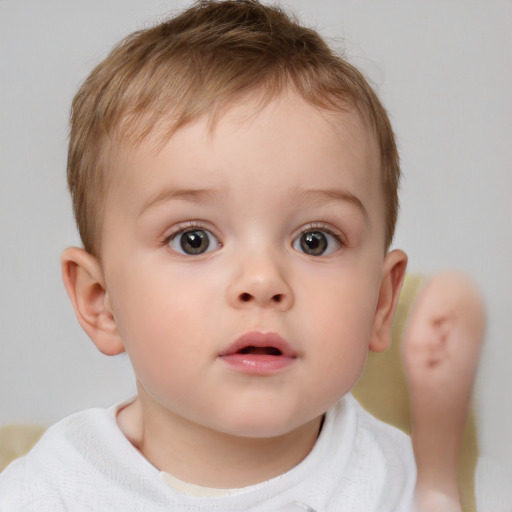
(441, 348)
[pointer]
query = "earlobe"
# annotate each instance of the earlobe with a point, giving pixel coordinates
(393, 275)
(84, 281)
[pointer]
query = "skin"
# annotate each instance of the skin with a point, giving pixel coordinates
(254, 184)
(441, 349)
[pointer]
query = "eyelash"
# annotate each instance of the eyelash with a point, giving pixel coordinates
(182, 228)
(320, 226)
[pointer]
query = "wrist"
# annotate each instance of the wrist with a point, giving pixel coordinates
(432, 500)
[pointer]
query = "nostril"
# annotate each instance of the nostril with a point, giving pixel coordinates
(248, 297)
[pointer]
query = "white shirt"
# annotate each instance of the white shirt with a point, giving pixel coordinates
(84, 462)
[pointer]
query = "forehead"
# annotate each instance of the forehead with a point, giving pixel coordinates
(286, 111)
(285, 137)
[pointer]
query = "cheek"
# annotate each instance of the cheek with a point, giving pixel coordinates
(157, 320)
(343, 348)
(340, 314)
(342, 304)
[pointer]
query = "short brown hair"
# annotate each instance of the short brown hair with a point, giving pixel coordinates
(195, 64)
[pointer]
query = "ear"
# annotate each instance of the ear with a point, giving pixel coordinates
(84, 281)
(393, 275)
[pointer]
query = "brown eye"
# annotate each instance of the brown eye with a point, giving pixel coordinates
(317, 243)
(193, 242)
(313, 242)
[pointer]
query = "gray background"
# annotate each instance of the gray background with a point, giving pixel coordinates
(442, 68)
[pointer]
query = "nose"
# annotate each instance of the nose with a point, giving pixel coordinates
(260, 282)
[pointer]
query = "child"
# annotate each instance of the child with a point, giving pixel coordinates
(235, 187)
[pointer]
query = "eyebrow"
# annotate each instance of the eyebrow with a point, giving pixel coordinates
(306, 196)
(173, 194)
(320, 196)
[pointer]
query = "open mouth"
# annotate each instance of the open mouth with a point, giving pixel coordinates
(256, 343)
(260, 351)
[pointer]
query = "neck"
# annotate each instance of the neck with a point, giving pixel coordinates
(202, 456)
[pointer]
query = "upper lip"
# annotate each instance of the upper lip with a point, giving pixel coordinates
(259, 339)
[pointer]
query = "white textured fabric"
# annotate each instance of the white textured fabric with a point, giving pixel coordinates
(84, 463)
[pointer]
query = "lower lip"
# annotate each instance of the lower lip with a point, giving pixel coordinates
(257, 364)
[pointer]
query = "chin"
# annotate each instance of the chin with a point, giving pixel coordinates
(261, 426)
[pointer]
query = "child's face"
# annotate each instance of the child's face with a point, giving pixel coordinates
(243, 265)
